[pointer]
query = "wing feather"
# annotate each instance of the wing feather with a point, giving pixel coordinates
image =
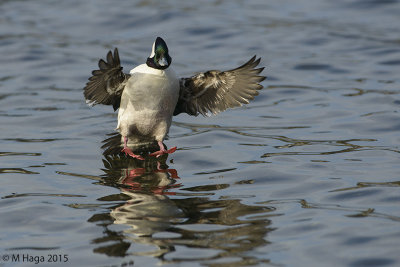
(215, 91)
(106, 84)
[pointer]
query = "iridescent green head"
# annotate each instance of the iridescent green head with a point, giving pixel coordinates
(159, 58)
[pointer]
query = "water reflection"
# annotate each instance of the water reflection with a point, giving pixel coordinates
(158, 214)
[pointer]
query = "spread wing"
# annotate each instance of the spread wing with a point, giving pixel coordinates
(215, 91)
(107, 83)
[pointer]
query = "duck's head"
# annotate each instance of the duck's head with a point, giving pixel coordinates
(159, 58)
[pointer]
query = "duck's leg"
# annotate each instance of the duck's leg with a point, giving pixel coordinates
(128, 151)
(162, 150)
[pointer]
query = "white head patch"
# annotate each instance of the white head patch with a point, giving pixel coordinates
(152, 50)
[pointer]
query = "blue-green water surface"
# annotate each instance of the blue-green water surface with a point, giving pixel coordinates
(306, 175)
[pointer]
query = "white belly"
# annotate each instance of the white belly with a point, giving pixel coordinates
(147, 105)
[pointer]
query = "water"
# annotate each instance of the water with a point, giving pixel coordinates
(306, 175)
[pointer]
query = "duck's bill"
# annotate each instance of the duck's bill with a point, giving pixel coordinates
(163, 62)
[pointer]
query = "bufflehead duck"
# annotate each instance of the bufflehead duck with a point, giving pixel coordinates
(151, 94)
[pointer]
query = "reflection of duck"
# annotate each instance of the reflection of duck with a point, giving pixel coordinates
(112, 146)
(226, 228)
(146, 215)
(145, 184)
(158, 223)
(149, 175)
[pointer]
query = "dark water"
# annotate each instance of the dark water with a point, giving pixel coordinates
(306, 175)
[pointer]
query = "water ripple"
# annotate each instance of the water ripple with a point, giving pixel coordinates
(19, 154)
(41, 195)
(16, 170)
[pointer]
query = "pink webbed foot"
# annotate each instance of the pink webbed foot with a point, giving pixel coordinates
(129, 152)
(162, 150)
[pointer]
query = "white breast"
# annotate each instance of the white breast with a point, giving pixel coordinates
(143, 68)
(148, 102)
